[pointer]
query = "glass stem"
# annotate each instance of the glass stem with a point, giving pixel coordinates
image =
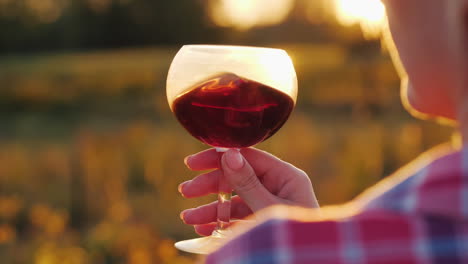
(224, 200)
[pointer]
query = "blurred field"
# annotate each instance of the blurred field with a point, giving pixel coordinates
(90, 155)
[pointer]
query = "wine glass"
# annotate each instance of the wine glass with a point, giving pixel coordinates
(229, 97)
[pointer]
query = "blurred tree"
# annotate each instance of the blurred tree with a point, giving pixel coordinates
(30, 26)
(49, 25)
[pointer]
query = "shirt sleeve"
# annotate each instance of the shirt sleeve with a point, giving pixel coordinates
(372, 237)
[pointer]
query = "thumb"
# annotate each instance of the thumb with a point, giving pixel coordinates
(242, 178)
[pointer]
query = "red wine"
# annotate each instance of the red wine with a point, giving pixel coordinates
(231, 111)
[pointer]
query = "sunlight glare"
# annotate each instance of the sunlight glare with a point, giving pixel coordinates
(370, 14)
(282, 67)
(246, 14)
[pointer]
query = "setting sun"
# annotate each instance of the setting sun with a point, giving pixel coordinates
(370, 14)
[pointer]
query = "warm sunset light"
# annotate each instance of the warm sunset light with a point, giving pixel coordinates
(115, 115)
(370, 14)
(245, 14)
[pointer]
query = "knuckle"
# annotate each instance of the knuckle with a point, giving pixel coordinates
(296, 170)
(299, 174)
(304, 177)
(302, 174)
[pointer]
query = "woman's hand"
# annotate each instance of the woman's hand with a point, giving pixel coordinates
(259, 178)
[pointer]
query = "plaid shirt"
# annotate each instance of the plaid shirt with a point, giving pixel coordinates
(418, 215)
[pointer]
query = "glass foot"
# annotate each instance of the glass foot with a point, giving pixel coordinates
(203, 245)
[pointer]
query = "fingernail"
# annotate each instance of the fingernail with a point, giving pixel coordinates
(186, 160)
(183, 213)
(181, 186)
(234, 159)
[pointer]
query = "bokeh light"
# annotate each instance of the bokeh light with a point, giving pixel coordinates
(46, 11)
(246, 14)
(370, 14)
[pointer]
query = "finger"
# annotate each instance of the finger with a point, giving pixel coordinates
(207, 213)
(243, 179)
(206, 229)
(262, 162)
(203, 184)
(205, 160)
